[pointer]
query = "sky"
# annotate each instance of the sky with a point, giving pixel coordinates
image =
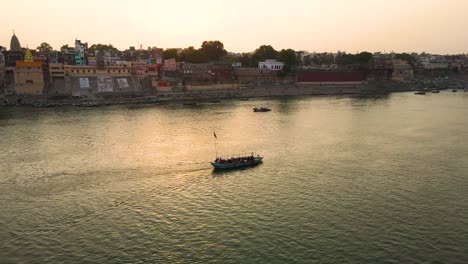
(434, 26)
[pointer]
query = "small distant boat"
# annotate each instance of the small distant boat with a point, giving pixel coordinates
(191, 103)
(454, 90)
(261, 109)
(237, 162)
(420, 93)
(435, 91)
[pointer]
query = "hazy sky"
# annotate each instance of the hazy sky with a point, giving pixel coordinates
(437, 26)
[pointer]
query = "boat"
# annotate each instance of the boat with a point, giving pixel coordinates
(420, 93)
(236, 162)
(261, 109)
(435, 91)
(454, 90)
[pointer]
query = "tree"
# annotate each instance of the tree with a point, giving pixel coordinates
(406, 57)
(44, 47)
(102, 47)
(264, 52)
(363, 57)
(171, 54)
(288, 57)
(64, 47)
(246, 60)
(193, 55)
(213, 50)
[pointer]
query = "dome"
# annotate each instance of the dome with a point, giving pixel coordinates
(15, 44)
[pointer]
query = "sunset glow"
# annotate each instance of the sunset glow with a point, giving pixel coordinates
(436, 26)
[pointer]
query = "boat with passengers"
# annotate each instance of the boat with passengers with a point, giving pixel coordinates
(261, 109)
(236, 162)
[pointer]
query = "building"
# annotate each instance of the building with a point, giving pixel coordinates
(155, 55)
(170, 65)
(139, 69)
(89, 81)
(254, 75)
(15, 53)
(380, 68)
(57, 79)
(271, 65)
(80, 52)
(434, 63)
(29, 78)
(15, 44)
(402, 71)
(68, 56)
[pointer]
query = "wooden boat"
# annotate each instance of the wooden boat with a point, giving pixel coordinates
(454, 90)
(420, 93)
(261, 109)
(236, 162)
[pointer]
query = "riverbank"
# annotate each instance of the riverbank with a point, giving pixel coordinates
(297, 89)
(206, 95)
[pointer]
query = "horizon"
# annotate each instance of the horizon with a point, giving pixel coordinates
(431, 26)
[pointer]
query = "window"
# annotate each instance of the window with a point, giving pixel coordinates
(29, 81)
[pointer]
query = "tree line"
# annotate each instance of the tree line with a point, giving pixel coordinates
(214, 50)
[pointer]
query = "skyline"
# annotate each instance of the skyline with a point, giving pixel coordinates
(432, 26)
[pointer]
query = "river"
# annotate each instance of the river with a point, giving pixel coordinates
(345, 180)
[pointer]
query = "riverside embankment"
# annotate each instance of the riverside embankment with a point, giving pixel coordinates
(296, 89)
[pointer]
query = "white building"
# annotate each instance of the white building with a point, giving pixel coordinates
(434, 63)
(271, 65)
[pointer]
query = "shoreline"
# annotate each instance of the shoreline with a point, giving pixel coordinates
(207, 96)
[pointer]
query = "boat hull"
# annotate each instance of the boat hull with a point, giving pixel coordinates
(236, 165)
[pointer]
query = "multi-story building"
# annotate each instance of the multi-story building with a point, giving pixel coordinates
(29, 78)
(170, 65)
(108, 58)
(139, 69)
(68, 56)
(57, 79)
(380, 68)
(155, 55)
(271, 65)
(434, 63)
(85, 80)
(80, 52)
(402, 71)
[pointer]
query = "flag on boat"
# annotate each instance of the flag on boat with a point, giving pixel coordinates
(214, 133)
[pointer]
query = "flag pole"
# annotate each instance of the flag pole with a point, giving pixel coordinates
(215, 143)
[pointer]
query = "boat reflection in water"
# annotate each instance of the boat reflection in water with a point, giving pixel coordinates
(236, 162)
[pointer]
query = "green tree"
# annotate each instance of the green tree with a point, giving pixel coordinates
(171, 54)
(288, 56)
(406, 57)
(246, 60)
(44, 47)
(193, 55)
(264, 52)
(213, 50)
(64, 47)
(102, 47)
(363, 57)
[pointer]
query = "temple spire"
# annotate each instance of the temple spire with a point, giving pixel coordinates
(28, 56)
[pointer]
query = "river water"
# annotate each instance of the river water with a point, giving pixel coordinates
(380, 179)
